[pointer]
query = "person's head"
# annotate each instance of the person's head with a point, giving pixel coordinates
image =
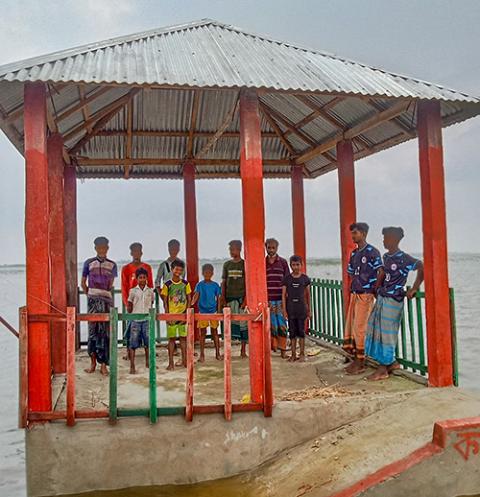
(271, 245)
(173, 248)
(391, 237)
(296, 264)
(142, 276)
(359, 232)
(136, 251)
(207, 271)
(178, 267)
(235, 247)
(101, 246)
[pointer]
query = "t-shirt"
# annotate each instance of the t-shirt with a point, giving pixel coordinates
(129, 280)
(100, 274)
(396, 266)
(296, 305)
(164, 272)
(363, 267)
(276, 272)
(234, 275)
(177, 295)
(208, 294)
(142, 299)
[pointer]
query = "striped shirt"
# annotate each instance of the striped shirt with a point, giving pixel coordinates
(276, 272)
(100, 274)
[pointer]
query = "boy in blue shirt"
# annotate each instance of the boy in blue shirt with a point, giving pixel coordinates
(207, 293)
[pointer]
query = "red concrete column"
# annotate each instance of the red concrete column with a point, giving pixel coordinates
(251, 173)
(437, 299)
(298, 213)
(191, 231)
(36, 241)
(57, 249)
(348, 209)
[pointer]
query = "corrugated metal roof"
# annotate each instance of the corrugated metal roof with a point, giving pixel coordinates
(213, 60)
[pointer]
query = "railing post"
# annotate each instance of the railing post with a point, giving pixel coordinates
(71, 331)
(227, 362)
(190, 364)
(23, 368)
(268, 389)
(152, 373)
(112, 405)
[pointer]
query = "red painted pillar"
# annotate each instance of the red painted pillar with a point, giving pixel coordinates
(36, 240)
(298, 213)
(348, 209)
(57, 250)
(251, 173)
(70, 226)
(437, 298)
(191, 231)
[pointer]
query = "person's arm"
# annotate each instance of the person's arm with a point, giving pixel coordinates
(84, 285)
(189, 295)
(284, 300)
(85, 272)
(129, 307)
(195, 297)
(164, 297)
(158, 279)
(114, 275)
(380, 279)
(124, 286)
(418, 280)
(307, 301)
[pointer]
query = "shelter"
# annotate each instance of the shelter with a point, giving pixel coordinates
(209, 100)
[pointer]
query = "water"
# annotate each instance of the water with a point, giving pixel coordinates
(464, 277)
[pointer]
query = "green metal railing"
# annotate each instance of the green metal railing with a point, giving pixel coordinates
(328, 322)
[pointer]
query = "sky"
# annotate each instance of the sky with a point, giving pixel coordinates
(432, 40)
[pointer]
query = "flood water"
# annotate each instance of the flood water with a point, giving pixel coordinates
(464, 277)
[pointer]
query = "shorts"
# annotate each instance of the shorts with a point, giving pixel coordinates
(138, 334)
(210, 323)
(176, 330)
(296, 328)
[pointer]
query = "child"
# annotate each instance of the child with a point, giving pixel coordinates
(364, 268)
(97, 282)
(384, 322)
(165, 269)
(140, 301)
(176, 296)
(233, 292)
(296, 305)
(207, 293)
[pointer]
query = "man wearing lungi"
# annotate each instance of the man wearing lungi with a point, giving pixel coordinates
(365, 268)
(384, 322)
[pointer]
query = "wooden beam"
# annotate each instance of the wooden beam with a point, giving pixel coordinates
(410, 132)
(193, 123)
(84, 161)
(128, 145)
(278, 131)
(317, 111)
(369, 123)
(178, 134)
(226, 122)
(106, 117)
(84, 101)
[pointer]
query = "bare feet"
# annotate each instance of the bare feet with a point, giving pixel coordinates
(104, 370)
(219, 357)
(244, 356)
(202, 358)
(301, 358)
(133, 370)
(90, 370)
(170, 367)
(356, 367)
(292, 358)
(393, 367)
(380, 374)
(179, 363)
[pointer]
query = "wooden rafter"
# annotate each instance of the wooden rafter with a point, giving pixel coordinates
(177, 134)
(380, 117)
(193, 123)
(100, 118)
(411, 133)
(129, 141)
(316, 111)
(278, 131)
(83, 102)
(216, 136)
(85, 161)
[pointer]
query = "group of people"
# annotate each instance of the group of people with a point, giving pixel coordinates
(373, 318)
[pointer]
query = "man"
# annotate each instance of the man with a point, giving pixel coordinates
(165, 269)
(364, 269)
(277, 269)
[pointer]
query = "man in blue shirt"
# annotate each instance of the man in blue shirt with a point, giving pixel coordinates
(364, 268)
(384, 321)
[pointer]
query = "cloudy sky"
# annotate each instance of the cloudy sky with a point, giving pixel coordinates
(433, 40)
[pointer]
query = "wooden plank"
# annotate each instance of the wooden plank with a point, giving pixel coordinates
(71, 326)
(267, 382)
(84, 102)
(23, 368)
(193, 123)
(227, 362)
(282, 136)
(190, 364)
(9, 327)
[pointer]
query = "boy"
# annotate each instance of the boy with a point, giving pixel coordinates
(277, 270)
(207, 293)
(364, 268)
(165, 269)
(296, 305)
(384, 321)
(176, 296)
(233, 292)
(140, 301)
(97, 282)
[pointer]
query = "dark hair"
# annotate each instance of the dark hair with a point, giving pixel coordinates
(235, 243)
(140, 271)
(207, 267)
(395, 231)
(362, 227)
(178, 263)
(174, 243)
(100, 241)
(296, 258)
(270, 241)
(136, 245)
